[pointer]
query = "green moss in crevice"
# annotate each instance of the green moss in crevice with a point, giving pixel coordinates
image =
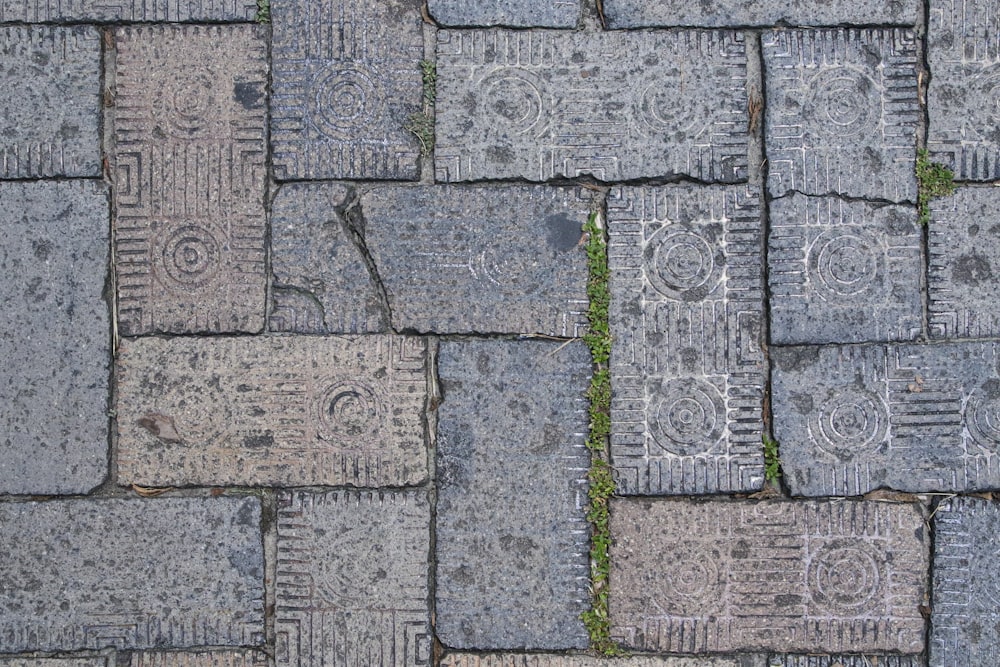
(933, 180)
(421, 125)
(263, 11)
(772, 464)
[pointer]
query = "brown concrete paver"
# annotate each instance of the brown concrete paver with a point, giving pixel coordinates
(172, 11)
(97, 661)
(214, 658)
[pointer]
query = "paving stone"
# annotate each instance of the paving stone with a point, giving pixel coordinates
(96, 661)
(274, 411)
(55, 338)
(501, 259)
(692, 577)
(352, 586)
(512, 540)
(687, 364)
(132, 573)
(847, 661)
(909, 417)
(513, 13)
(346, 79)
(321, 281)
(206, 658)
(738, 13)
(842, 112)
(543, 660)
(966, 582)
(52, 101)
(164, 11)
(545, 104)
(843, 271)
(190, 175)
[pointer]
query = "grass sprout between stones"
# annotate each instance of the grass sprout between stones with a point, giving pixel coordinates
(772, 464)
(421, 125)
(933, 180)
(263, 11)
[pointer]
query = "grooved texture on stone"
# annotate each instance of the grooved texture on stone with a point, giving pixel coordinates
(321, 281)
(97, 661)
(738, 13)
(189, 170)
(543, 104)
(274, 411)
(963, 97)
(693, 577)
(164, 11)
(687, 365)
(52, 101)
(55, 339)
(843, 272)
(543, 660)
(512, 540)
(346, 79)
(909, 417)
(208, 658)
(169, 572)
(966, 582)
(846, 661)
(514, 13)
(964, 247)
(501, 259)
(352, 579)
(842, 112)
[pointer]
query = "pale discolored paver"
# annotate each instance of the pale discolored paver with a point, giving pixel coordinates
(686, 315)
(804, 576)
(352, 586)
(273, 411)
(500, 259)
(846, 661)
(132, 573)
(549, 660)
(55, 337)
(96, 661)
(346, 80)
(511, 554)
(843, 271)
(205, 658)
(513, 13)
(166, 11)
(545, 104)
(321, 281)
(189, 121)
(51, 106)
(761, 13)
(842, 112)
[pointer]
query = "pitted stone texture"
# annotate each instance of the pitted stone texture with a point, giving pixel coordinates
(964, 266)
(352, 580)
(512, 540)
(543, 660)
(52, 101)
(762, 13)
(843, 272)
(133, 573)
(513, 13)
(346, 80)
(842, 112)
(687, 365)
(274, 411)
(909, 417)
(692, 577)
(164, 11)
(966, 582)
(544, 104)
(847, 661)
(189, 165)
(206, 658)
(55, 339)
(501, 259)
(321, 281)
(97, 661)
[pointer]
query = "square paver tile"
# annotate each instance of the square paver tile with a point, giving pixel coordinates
(867, 660)
(763, 13)
(166, 11)
(512, 13)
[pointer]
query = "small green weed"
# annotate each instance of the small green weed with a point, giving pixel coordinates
(933, 180)
(772, 464)
(421, 125)
(263, 11)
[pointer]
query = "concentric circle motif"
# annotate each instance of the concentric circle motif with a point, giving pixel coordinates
(982, 417)
(349, 573)
(513, 98)
(349, 410)
(691, 583)
(850, 423)
(845, 262)
(986, 91)
(683, 265)
(517, 274)
(187, 103)
(843, 101)
(690, 417)
(846, 578)
(191, 256)
(345, 99)
(666, 110)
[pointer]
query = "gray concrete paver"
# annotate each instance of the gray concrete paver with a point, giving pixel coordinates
(208, 658)
(139, 11)
(847, 661)
(760, 13)
(97, 661)
(510, 13)
(543, 660)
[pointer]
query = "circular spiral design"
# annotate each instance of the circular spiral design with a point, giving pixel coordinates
(846, 578)
(513, 98)
(982, 416)
(187, 103)
(986, 89)
(518, 274)
(683, 265)
(689, 417)
(664, 110)
(191, 256)
(850, 423)
(844, 262)
(691, 585)
(349, 410)
(346, 99)
(843, 101)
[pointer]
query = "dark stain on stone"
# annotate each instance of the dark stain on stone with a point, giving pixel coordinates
(972, 269)
(563, 232)
(260, 441)
(160, 425)
(249, 94)
(803, 403)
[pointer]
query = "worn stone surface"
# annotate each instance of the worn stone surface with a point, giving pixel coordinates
(909, 417)
(352, 585)
(275, 411)
(820, 577)
(843, 271)
(502, 259)
(321, 282)
(842, 112)
(133, 573)
(738, 13)
(514, 13)
(686, 314)
(546, 104)
(966, 580)
(189, 172)
(55, 339)
(96, 661)
(512, 541)
(550, 660)
(52, 100)
(346, 80)
(847, 661)
(166, 11)
(206, 658)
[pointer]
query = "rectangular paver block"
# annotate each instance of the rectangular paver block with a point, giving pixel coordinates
(206, 658)
(500, 259)
(738, 13)
(843, 271)
(842, 112)
(55, 338)
(169, 572)
(545, 104)
(51, 110)
(692, 577)
(352, 579)
(549, 660)
(347, 78)
(687, 365)
(189, 121)
(282, 410)
(96, 661)
(513, 13)
(512, 540)
(847, 661)
(165, 11)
